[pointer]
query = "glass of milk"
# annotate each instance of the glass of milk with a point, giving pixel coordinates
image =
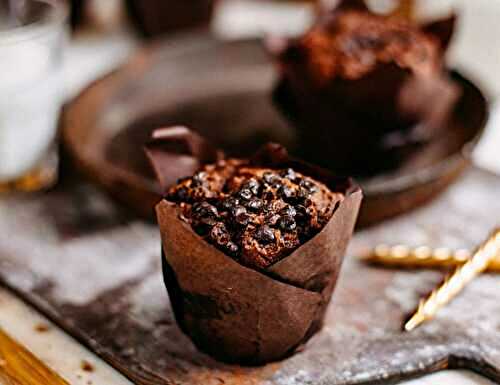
(32, 37)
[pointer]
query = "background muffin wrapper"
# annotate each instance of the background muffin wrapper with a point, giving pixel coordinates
(386, 136)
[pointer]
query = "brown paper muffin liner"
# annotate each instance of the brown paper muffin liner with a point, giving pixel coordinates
(240, 315)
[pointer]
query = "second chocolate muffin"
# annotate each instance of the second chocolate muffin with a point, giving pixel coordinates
(365, 91)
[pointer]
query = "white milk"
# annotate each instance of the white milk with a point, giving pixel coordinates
(30, 99)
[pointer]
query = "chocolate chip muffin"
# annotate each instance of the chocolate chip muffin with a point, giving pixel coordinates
(364, 91)
(251, 249)
(255, 215)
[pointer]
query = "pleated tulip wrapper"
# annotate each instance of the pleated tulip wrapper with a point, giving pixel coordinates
(262, 303)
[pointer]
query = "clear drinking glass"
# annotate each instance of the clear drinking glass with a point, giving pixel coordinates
(32, 36)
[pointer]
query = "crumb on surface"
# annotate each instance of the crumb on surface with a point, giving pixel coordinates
(87, 366)
(42, 327)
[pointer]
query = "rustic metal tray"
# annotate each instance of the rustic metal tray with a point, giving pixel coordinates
(223, 90)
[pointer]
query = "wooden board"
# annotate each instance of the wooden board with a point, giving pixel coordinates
(19, 367)
(96, 272)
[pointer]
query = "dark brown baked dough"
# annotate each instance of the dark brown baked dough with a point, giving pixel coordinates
(352, 45)
(255, 215)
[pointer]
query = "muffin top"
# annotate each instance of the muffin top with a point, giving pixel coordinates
(352, 43)
(255, 215)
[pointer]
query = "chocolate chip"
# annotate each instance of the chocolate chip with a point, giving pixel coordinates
(232, 248)
(270, 178)
(240, 215)
(288, 174)
(303, 193)
(310, 211)
(245, 194)
(199, 179)
(238, 210)
(286, 193)
(265, 234)
(229, 203)
(287, 223)
(204, 209)
(255, 204)
(308, 201)
(308, 185)
(272, 219)
(208, 221)
(268, 195)
(270, 207)
(301, 211)
(219, 234)
(205, 213)
(289, 211)
(253, 186)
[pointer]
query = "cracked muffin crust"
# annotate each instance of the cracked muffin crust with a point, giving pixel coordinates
(255, 215)
(354, 43)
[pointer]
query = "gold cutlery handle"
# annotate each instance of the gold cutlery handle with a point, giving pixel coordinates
(423, 256)
(454, 284)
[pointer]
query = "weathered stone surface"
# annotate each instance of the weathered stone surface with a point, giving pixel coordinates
(97, 273)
